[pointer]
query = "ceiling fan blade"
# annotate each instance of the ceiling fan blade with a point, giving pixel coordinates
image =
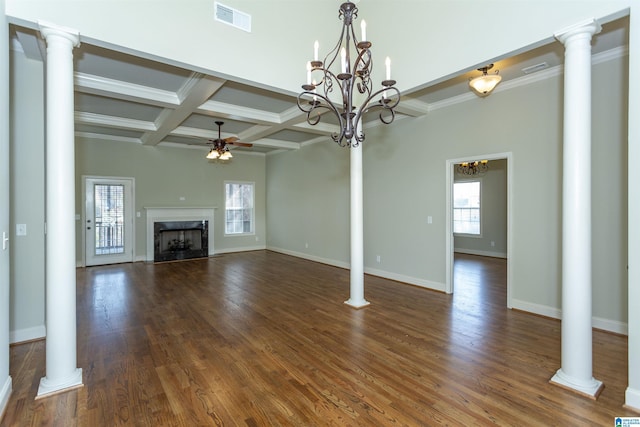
(231, 139)
(240, 144)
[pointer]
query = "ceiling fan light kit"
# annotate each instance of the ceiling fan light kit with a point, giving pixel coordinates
(219, 149)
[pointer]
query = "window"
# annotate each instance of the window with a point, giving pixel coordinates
(239, 214)
(466, 207)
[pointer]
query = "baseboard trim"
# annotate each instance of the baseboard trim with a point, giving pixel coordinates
(481, 253)
(541, 310)
(5, 394)
(613, 326)
(321, 260)
(240, 249)
(435, 286)
(610, 325)
(27, 334)
(372, 271)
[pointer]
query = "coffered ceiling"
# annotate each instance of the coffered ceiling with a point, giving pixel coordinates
(120, 97)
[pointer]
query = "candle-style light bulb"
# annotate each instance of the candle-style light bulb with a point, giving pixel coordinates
(343, 58)
(387, 63)
(315, 97)
(315, 50)
(363, 28)
(308, 72)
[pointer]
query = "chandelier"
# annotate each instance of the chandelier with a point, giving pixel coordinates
(472, 168)
(315, 99)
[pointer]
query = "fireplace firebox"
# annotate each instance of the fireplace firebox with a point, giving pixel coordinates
(179, 240)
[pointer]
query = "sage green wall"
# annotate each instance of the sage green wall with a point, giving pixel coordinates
(493, 215)
(27, 198)
(405, 182)
(308, 202)
(165, 174)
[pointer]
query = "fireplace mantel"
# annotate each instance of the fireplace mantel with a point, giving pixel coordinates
(158, 214)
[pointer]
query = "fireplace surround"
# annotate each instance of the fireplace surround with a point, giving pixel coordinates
(179, 233)
(178, 240)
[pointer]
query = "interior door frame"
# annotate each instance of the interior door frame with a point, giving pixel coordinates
(130, 210)
(449, 246)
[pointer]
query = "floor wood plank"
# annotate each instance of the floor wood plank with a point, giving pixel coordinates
(264, 339)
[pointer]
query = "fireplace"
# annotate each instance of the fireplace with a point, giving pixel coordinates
(177, 240)
(178, 233)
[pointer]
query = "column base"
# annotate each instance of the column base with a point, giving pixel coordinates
(632, 399)
(591, 390)
(48, 387)
(357, 304)
(5, 394)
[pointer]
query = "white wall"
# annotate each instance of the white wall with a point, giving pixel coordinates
(27, 198)
(404, 183)
(493, 215)
(432, 30)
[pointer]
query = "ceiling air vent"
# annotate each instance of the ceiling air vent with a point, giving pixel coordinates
(233, 17)
(534, 68)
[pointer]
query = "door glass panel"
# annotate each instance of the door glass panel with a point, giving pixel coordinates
(109, 219)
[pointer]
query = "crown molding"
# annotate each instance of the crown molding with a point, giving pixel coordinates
(599, 58)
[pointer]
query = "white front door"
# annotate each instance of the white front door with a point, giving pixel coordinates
(108, 222)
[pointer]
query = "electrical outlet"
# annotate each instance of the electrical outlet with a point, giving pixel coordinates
(378, 258)
(21, 229)
(306, 245)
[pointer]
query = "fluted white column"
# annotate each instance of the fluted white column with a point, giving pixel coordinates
(576, 366)
(356, 298)
(62, 372)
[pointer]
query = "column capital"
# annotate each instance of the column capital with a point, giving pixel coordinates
(47, 29)
(590, 26)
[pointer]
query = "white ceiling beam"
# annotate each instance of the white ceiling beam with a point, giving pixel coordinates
(96, 85)
(277, 143)
(288, 119)
(237, 112)
(86, 118)
(319, 129)
(206, 134)
(198, 132)
(91, 135)
(193, 93)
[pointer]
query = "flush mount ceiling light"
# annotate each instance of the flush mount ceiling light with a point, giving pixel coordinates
(484, 84)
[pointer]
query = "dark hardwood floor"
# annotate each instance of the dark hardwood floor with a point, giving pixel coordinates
(264, 339)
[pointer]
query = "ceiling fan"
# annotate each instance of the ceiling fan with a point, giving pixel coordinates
(219, 149)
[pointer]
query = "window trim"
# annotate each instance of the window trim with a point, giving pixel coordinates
(460, 181)
(253, 209)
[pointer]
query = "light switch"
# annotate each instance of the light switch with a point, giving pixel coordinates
(21, 229)
(429, 219)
